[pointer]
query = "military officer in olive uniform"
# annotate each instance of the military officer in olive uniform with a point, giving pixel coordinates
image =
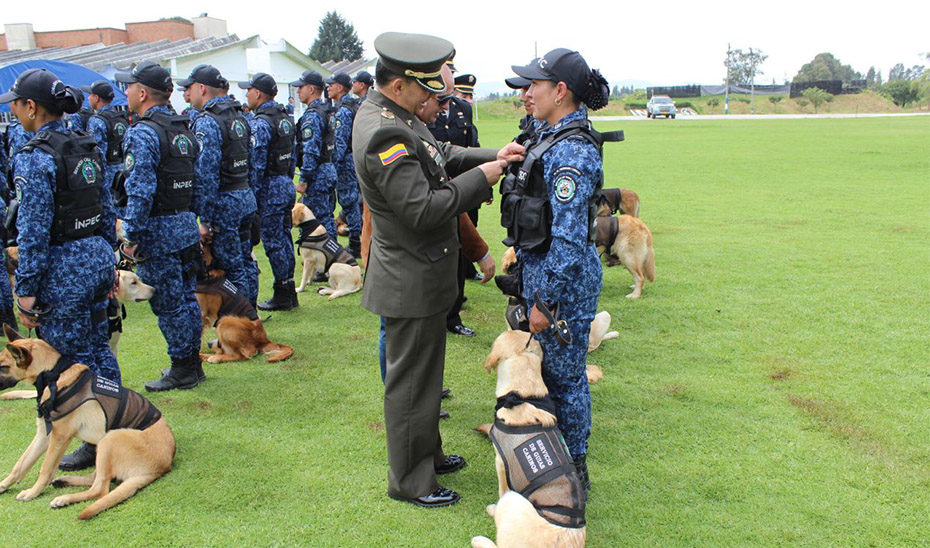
(414, 250)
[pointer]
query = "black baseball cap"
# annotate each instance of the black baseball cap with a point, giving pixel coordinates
(559, 65)
(419, 56)
(263, 83)
(207, 75)
(340, 78)
(364, 78)
(39, 85)
(147, 73)
(309, 77)
(517, 82)
(100, 88)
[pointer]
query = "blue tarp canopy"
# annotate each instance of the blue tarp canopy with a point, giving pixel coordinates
(69, 73)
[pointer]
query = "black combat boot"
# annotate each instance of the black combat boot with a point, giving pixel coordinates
(581, 466)
(284, 298)
(201, 376)
(183, 375)
(83, 457)
(355, 247)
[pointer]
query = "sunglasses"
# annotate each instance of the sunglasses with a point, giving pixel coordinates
(443, 100)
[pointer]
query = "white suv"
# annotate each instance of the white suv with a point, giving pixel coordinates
(660, 105)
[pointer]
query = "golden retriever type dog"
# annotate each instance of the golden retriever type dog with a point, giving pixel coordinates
(136, 457)
(627, 240)
(613, 200)
(518, 360)
(317, 250)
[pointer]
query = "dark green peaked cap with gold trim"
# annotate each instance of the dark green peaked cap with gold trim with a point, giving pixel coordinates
(418, 56)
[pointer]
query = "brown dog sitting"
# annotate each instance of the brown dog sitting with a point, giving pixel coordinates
(135, 445)
(613, 200)
(627, 240)
(240, 334)
(530, 455)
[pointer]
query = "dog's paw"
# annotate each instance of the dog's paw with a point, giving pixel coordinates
(59, 502)
(299, 289)
(27, 495)
(4, 488)
(633, 296)
(491, 509)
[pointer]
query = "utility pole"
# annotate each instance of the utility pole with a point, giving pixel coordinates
(752, 83)
(726, 95)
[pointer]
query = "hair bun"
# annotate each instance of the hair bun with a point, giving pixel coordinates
(69, 99)
(597, 91)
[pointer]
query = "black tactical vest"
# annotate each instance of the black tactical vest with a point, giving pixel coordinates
(175, 173)
(234, 165)
(328, 116)
(78, 176)
(85, 114)
(352, 104)
(281, 147)
(117, 123)
(525, 209)
(233, 302)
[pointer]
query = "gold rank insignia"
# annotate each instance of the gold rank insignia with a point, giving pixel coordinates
(387, 114)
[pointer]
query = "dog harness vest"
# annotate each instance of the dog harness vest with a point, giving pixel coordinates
(122, 407)
(539, 468)
(233, 303)
(175, 172)
(328, 117)
(79, 175)
(325, 244)
(607, 229)
(281, 146)
(613, 197)
(117, 123)
(525, 209)
(234, 128)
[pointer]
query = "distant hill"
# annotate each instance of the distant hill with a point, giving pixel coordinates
(483, 89)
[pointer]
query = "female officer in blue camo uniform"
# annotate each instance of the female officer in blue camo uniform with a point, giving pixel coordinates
(563, 267)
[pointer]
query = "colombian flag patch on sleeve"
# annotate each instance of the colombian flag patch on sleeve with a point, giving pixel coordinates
(392, 154)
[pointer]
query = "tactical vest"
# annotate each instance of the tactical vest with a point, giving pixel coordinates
(540, 469)
(281, 147)
(116, 123)
(84, 114)
(122, 407)
(328, 116)
(525, 209)
(175, 173)
(325, 244)
(352, 105)
(78, 176)
(233, 302)
(234, 165)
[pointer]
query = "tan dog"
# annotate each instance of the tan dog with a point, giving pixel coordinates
(134, 457)
(518, 360)
(11, 261)
(240, 334)
(509, 259)
(600, 327)
(613, 200)
(627, 240)
(345, 276)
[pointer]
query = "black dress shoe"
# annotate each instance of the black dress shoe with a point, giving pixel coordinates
(83, 457)
(446, 392)
(443, 414)
(452, 463)
(439, 497)
(462, 330)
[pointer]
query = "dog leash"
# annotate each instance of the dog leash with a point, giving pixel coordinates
(558, 327)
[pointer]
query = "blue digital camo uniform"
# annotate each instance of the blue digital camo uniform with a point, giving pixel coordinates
(6, 291)
(98, 128)
(226, 211)
(74, 277)
(568, 274)
(161, 239)
(17, 136)
(347, 182)
(320, 177)
(275, 197)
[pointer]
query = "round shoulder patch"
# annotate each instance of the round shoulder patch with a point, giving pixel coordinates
(18, 183)
(129, 162)
(565, 188)
(306, 132)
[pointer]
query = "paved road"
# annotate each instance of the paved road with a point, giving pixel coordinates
(757, 116)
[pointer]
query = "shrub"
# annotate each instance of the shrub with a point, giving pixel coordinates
(713, 102)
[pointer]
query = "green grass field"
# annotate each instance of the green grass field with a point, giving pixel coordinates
(771, 388)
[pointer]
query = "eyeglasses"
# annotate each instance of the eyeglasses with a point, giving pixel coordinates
(443, 100)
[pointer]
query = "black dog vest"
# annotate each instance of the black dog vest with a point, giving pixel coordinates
(233, 303)
(325, 244)
(539, 468)
(123, 407)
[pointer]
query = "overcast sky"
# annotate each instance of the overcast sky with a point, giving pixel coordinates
(662, 43)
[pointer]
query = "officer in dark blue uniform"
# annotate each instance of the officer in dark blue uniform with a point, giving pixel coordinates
(314, 150)
(465, 87)
(189, 110)
(66, 267)
(222, 196)
(272, 179)
(160, 152)
(347, 184)
(108, 126)
(78, 120)
(361, 84)
(560, 263)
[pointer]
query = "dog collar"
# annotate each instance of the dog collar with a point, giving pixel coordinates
(49, 379)
(512, 399)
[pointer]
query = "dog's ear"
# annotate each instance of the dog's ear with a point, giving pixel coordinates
(490, 363)
(21, 355)
(10, 333)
